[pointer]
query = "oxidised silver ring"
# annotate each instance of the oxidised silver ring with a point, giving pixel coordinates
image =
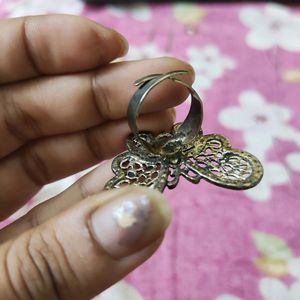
(190, 126)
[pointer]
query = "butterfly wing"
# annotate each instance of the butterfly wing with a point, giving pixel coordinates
(212, 157)
(130, 168)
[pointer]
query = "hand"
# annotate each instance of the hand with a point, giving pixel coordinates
(62, 109)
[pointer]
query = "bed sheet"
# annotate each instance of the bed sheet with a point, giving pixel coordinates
(222, 244)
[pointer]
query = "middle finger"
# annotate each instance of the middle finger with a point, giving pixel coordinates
(69, 103)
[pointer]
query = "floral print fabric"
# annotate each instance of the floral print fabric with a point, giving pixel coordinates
(222, 244)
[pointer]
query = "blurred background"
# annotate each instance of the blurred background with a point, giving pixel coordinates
(223, 244)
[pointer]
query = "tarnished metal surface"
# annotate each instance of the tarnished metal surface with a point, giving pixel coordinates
(159, 161)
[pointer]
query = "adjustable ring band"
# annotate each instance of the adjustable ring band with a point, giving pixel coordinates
(190, 126)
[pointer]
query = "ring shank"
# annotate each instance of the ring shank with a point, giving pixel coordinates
(192, 123)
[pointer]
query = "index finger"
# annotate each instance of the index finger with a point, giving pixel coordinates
(55, 44)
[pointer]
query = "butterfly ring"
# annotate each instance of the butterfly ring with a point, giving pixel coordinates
(159, 161)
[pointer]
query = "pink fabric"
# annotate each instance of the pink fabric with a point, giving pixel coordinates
(226, 244)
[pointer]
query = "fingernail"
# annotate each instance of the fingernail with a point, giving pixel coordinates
(124, 46)
(113, 40)
(190, 69)
(131, 222)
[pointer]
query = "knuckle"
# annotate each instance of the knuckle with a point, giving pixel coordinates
(101, 99)
(34, 165)
(28, 44)
(95, 144)
(37, 268)
(30, 274)
(34, 218)
(43, 268)
(18, 122)
(83, 190)
(13, 286)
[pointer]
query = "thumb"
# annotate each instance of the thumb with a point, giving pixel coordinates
(85, 249)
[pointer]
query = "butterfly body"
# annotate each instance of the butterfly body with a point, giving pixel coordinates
(163, 159)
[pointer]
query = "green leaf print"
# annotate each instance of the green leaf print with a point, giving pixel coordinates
(272, 246)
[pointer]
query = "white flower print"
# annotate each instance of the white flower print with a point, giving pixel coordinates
(277, 258)
(260, 121)
(293, 161)
(209, 64)
(271, 27)
(272, 289)
(294, 267)
(148, 50)
(275, 289)
(120, 291)
(18, 8)
(274, 174)
(140, 12)
(228, 297)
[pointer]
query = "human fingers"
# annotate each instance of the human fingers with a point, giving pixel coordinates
(55, 44)
(85, 249)
(91, 183)
(63, 104)
(59, 156)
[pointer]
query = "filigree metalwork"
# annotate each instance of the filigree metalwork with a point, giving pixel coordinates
(208, 157)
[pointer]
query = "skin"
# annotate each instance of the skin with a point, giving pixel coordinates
(63, 109)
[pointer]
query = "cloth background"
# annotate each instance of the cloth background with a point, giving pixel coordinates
(222, 244)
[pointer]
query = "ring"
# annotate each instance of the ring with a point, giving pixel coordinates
(190, 127)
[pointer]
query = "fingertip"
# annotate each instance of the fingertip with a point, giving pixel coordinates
(158, 199)
(177, 64)
(124, 45)
(122, 42)
(61, 44)
(133, 219)
(175, 92)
